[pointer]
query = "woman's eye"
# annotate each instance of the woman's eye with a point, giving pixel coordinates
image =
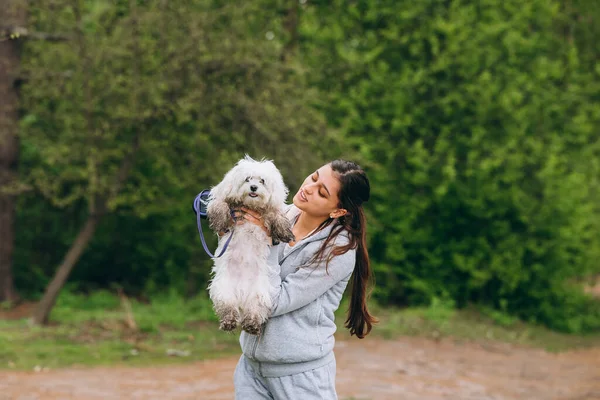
(314, 178)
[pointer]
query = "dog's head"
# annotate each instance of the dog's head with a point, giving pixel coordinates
(257, 184)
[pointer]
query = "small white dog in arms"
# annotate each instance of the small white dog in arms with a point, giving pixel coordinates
(239, 288)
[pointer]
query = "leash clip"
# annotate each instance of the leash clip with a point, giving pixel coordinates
(200, 207)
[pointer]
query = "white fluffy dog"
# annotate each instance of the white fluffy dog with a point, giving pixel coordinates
(240, 287)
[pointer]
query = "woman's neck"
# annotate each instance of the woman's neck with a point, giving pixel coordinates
(306, 224)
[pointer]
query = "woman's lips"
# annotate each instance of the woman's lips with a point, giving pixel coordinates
(302, 195)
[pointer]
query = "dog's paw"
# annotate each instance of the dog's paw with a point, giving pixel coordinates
(251, 325)
(228, 319)
(219, 216)
(288, 237)
(285, 236)
(228, 325)
(281, 228)
(252, 329)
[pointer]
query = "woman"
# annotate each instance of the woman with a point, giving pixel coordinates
(293, 356)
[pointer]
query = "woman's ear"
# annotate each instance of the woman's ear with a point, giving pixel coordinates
(340, 212)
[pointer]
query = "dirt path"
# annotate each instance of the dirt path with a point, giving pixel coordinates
(407, 369)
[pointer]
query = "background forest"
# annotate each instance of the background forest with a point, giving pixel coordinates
(477, 122)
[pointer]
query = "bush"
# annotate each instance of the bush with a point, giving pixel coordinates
(476, 122)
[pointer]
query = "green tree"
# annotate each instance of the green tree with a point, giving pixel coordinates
(477, 122)
(147, 102)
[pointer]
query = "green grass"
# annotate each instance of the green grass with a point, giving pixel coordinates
(474, 325)
(92, 330)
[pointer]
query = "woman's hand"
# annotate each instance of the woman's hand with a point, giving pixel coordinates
(243, 214)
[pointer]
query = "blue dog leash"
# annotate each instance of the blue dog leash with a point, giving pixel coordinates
(200, 203)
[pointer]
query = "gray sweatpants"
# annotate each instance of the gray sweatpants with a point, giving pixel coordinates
(314, 384)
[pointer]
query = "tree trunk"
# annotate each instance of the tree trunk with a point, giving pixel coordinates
(13, 14)
(98, 209)
(47, 303)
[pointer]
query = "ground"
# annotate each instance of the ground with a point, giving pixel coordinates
(407, 368)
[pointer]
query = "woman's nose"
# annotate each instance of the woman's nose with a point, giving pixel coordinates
(308, 188)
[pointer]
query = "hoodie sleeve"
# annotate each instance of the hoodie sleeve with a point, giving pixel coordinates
(308, 283)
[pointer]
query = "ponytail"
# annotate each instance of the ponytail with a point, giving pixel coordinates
(360, 321)
(354, 191)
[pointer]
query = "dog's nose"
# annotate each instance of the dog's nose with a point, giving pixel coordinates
(254, 188)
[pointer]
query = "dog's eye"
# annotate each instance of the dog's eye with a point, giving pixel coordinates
(248, 179)
(262, 181)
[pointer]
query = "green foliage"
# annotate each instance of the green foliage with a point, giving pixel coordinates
(440, 310)
(143, 107)
(181, 91)
(499, 317)
(175, 312)
(478, 124)
(472, 325)
(98, 300)
(140, 254)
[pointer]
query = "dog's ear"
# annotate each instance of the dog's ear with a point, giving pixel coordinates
(224, 188)
(279, 191)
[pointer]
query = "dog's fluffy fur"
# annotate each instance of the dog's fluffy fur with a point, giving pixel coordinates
(240, 288)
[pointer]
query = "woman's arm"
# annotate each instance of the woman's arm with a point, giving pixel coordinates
(308, 283)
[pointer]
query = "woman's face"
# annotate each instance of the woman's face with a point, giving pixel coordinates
(318, 194)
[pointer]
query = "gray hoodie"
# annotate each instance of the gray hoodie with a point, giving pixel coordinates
(298, 336)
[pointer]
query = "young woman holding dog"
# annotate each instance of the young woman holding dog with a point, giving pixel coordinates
(293, 356)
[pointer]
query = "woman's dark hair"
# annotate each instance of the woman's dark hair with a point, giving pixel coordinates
(354, 191)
